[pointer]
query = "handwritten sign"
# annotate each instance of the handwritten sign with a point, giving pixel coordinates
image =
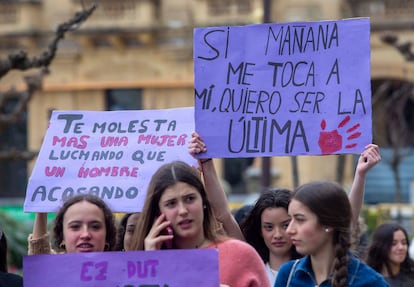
(166, 268)
(109, 154)
(283, 89)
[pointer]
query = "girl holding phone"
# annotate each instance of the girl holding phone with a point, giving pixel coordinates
(178, 194)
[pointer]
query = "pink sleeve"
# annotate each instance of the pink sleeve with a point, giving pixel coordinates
(240, 265)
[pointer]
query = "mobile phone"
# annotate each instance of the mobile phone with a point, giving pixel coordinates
(167, 231)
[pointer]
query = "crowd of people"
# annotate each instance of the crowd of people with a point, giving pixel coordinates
(301, 237)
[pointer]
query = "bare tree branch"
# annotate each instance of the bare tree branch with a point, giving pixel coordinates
(34, 83)
(21, 61)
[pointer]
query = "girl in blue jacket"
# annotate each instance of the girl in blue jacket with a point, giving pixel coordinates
(320, 229)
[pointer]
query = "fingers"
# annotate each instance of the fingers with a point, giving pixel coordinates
(160, 224)
(371, 154)
(196, 145)
(155, 239)
(369, 158)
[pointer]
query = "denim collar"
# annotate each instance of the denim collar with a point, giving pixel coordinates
(353, 266)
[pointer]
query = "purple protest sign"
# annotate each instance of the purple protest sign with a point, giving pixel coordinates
(164, 268)
(283, 88)
(109, 154)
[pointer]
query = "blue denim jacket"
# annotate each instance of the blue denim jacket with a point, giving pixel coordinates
(359, 275)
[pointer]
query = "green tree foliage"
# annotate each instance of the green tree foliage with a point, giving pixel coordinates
(16, 234)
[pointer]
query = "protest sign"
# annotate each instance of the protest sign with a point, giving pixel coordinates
(285, 89)
(111, 154)
(163, 268)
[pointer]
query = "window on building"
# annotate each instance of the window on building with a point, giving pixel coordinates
(8, 12)
(13, 172)
(303, 13)
(9, 45)
(124, 99)
(225, 7)
(101, 42)
(113, 9)
(371, 8)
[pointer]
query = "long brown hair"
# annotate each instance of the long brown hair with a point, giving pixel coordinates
(329, 202)
(166, 176)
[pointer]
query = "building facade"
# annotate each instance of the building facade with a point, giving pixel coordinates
(137, 54)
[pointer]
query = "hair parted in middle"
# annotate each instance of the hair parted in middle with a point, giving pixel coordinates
(168, 175)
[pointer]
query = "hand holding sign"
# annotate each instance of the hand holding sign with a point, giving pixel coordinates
(109, 154)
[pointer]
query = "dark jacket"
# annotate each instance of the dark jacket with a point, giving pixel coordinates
(10, 280)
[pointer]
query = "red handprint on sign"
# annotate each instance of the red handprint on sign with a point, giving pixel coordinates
(331, 142)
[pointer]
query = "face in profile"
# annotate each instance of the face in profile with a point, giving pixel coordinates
(274, 222)
(399, 248)
(84, 228)
(183, 207)
(308, 236)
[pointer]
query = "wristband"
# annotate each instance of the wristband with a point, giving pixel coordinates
(203, 161)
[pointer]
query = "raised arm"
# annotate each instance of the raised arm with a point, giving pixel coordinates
(368, 158)
(214, 189)
(39, 241)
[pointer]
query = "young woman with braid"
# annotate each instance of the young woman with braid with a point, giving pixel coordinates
(320, 229)
(265, 226)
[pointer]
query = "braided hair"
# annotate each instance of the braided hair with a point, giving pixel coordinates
(329, 202)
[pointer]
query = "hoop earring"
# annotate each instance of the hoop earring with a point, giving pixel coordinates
(62, 246)
(106, 246)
